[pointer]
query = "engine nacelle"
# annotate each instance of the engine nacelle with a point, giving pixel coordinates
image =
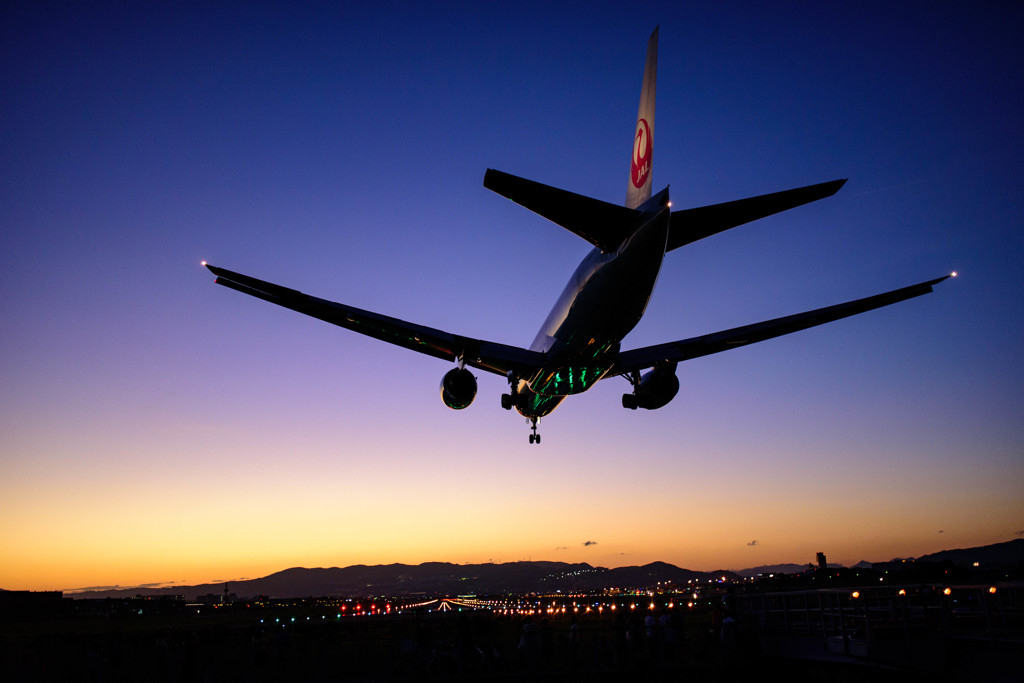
(458, 388)
(656, 388)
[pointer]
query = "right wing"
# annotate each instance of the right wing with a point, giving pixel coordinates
(690, 225)
(485, 355)
(695, 347)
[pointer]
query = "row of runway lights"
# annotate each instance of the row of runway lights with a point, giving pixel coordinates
(506, 608)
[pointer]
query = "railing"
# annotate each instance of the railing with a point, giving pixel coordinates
(859, 621)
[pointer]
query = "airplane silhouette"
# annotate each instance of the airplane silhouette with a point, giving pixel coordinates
(579, 343)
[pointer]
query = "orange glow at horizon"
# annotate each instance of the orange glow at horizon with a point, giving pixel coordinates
(131, 530)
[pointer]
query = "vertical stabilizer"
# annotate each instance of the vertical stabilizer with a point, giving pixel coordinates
(638, 190)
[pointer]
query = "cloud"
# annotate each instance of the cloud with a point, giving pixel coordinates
(752, 543)
(589, 543)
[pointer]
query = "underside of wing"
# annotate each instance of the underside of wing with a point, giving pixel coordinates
(685, 349)
(485, 355)
(690, 225)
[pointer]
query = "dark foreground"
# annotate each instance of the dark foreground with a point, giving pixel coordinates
(231, 645)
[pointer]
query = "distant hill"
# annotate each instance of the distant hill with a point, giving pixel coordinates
(1007, 554)
(443, 578)
(433, 578)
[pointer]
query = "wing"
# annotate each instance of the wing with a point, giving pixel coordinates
(485, 355)
(685, 349)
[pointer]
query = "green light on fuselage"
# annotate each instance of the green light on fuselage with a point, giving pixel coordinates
(572, 379)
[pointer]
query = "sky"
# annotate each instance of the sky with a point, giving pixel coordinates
(156, 428)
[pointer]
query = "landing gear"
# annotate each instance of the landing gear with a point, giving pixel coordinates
(535, 437)
(508, 401)
(629, 401)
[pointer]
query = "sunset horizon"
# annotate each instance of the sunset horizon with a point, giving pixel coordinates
(157, 427)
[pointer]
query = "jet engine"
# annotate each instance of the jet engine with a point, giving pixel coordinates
(458, 388)
(655, 389)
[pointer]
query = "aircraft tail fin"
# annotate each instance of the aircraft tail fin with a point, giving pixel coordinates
(638, 189)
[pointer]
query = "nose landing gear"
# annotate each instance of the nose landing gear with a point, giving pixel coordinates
(535, 437)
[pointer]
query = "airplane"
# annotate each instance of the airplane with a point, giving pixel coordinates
(579, 343)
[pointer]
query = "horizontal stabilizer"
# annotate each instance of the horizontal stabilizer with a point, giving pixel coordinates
(602, 224)
(695, 347)
(690, 225)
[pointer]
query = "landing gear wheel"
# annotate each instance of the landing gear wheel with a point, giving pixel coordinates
(509, 400)
(535, 437)
(629, 401)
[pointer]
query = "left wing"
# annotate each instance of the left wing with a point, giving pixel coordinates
(485, 355)
(695, 347)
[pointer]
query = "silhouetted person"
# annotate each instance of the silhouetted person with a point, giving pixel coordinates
(529, 644)
(668, 636)
(574, 641)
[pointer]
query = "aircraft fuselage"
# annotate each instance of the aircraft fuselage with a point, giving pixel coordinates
(603, 300)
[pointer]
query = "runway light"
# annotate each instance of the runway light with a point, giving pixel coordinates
(948, 591)
(855, 594)
(992, 590)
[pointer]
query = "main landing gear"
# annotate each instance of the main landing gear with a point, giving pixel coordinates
(509, 401)
(629, 401)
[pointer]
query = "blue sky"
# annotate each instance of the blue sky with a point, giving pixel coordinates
(154, 427)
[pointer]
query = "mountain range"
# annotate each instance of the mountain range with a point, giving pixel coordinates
(442, 578)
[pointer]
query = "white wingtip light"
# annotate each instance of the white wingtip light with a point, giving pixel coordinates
(953, 274)
(203, 263)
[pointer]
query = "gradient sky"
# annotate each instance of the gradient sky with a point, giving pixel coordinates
(157, 428)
